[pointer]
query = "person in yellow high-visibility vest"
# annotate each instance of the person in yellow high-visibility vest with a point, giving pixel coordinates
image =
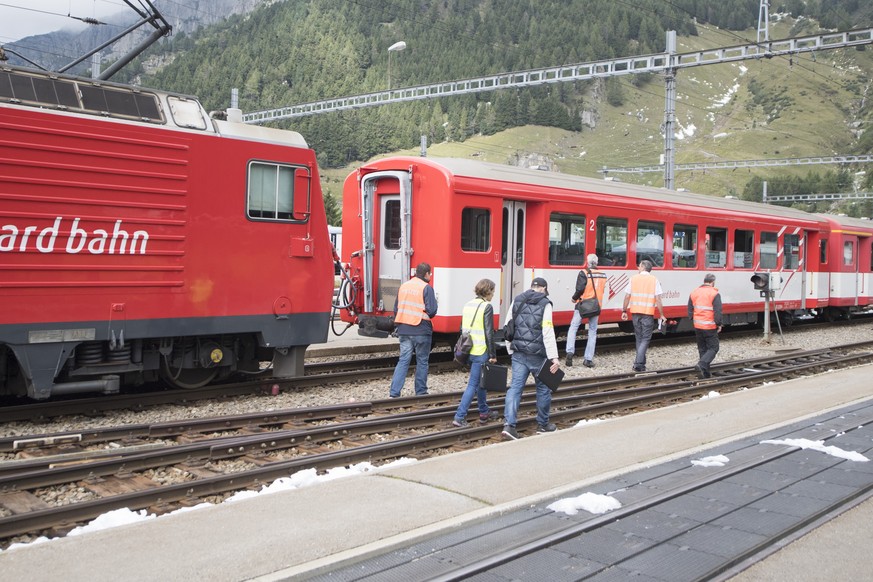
(643, 295)
(478, 318)
(416, 304)
(704, 309)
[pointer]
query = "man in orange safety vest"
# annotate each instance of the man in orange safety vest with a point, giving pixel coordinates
(704, 309)
(642, 296)
(414, 308)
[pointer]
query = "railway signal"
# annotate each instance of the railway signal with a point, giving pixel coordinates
(766, 283)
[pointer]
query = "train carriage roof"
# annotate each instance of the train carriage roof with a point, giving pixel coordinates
(78, 96)
(463, 169)
(847, 223)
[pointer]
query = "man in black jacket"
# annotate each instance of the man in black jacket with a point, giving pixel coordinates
(532, 344)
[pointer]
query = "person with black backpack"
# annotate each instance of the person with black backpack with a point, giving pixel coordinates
(533, 344)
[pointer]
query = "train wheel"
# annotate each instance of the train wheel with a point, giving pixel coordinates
(187, 378)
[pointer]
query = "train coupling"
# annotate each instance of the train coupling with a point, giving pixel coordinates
(375, 326)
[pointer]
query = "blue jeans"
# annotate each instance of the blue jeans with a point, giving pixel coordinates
(575, 324)
(644, 325)
(522, 366)
(420, 344)
(474, 386)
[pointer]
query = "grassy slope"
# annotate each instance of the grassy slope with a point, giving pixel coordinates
(814, 122)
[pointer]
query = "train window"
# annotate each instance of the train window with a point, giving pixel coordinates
(22, 88)
(822, 251)
(68, 95)
(121, 103)
(271, 191)
(147, 105)
(611, 246)
(93, 98)
(768, 250)
(566, 239)
(716, 247)
(744, 249)
(848, 253)
(391, 224)
(45, 91)
(684, 246)
(650, 242)
(186, 112)
(791, 251)
(475, 229)
(48, 91)
(519, 237)
(6, 86)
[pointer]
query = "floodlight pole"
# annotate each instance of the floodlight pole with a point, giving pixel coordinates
(670, 114)
(397, 46)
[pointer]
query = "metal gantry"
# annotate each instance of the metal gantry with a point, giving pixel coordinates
(656, 63)
(736, 164)
(667, 62)
(818, 197)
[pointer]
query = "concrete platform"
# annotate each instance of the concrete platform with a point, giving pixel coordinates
(290, 534)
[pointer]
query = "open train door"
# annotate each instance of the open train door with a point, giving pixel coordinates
(512, 256)
(386, 203)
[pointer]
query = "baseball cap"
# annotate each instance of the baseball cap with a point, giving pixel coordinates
(539, 281)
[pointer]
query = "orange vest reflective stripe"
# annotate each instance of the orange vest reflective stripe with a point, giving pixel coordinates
(597, 281)
(410, 302)
(704, 314)
(642, 295)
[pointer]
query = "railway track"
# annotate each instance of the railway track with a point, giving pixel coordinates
(167, 465)
(349, 367)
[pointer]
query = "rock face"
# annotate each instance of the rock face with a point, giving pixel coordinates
(55, 50)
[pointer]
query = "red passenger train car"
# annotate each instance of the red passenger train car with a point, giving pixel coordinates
(847, 257)
(471, 220)
(140, 238)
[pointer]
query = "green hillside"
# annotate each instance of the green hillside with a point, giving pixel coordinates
(773, 108)
(303, 50)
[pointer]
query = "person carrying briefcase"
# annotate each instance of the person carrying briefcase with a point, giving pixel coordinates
(533, 343)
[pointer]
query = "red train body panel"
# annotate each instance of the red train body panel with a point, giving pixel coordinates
(848, 258)
(169, 243)
(471, 220)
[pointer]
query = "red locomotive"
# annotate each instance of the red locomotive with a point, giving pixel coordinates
(141, 238)
(471, 220)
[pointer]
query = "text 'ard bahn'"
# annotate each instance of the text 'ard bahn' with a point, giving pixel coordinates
(96, 242)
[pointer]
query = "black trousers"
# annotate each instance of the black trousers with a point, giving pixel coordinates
(707, 347)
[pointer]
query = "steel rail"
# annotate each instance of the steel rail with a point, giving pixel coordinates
(236, 446)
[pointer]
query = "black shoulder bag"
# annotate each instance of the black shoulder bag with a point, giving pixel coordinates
(465, 342)
(591, 306)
